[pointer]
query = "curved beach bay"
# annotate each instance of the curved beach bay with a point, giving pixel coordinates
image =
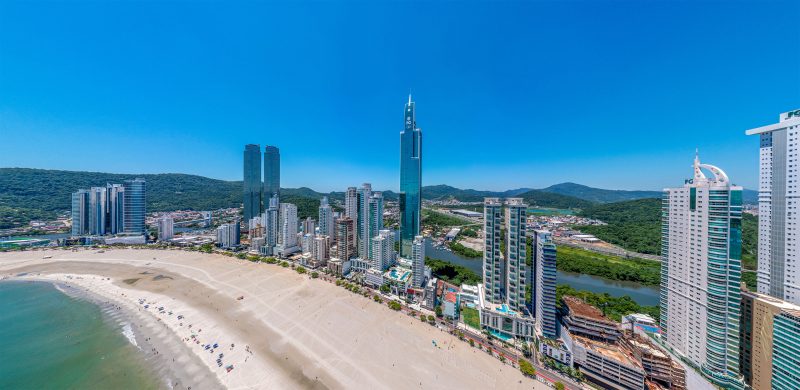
(289, 331)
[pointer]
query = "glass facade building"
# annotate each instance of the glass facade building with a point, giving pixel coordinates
(410, 179)
(786, 351)
(252, 181)
(272, 172)
(543, 260)
(135, 208)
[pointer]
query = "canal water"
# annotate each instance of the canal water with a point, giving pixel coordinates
(643, 295)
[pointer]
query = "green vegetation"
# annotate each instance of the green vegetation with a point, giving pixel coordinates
(460, 249)
(385, 288)
(452, 273)
(468, 232)
(527, 368)
(471, 317)
(569, 259)
(439, 220)
(314, 274)
(394, 305)
(300, 270)
(749, 277)
(377, 298)
(634, 225)
(438, 311)
(750, 242)
(613, 307)
(29, 194)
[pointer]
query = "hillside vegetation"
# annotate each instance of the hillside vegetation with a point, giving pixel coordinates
(27, 194)
(636, 226)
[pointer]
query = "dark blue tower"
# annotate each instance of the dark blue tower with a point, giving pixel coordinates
(410, 179)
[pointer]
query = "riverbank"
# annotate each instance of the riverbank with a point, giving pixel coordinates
(289, 330)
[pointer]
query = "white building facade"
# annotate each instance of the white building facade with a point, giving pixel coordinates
(701, 272)
(778, 200)
(418, 261)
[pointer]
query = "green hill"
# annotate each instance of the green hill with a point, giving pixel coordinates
(636, 226)
(599, 195)
(27, 194)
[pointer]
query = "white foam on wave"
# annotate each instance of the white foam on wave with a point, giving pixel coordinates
(127, 331)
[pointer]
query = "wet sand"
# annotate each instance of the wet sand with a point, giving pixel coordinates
(289, 331)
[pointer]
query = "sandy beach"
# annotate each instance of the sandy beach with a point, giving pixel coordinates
(289, 331)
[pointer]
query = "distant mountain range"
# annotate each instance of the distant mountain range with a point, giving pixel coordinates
(27, 194)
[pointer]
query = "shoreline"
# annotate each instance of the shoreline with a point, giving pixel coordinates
(157, 351)
(289, 330)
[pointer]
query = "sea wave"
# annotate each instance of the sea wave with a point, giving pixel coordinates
(127, 331)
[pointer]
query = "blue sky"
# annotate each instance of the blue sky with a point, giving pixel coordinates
(509, 94)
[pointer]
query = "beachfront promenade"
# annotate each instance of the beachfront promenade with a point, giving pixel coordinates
(288, 330)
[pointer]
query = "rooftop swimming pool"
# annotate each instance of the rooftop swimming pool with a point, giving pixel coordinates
(394, 275)
(500, 335)
(505, 310)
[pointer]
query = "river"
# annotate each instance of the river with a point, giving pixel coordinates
(643, 295)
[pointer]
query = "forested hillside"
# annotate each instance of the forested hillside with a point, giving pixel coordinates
(636, 226)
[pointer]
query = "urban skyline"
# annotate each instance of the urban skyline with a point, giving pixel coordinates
(688, 72)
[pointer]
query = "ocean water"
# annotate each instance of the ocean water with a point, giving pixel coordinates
(51, 340)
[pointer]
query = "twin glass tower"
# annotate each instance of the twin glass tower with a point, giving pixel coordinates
(410, 179)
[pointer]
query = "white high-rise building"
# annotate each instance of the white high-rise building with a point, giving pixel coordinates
(165, 228)
(270, 219)
(778, 201)
(287, 230)
(320, 249)
(228, 235)
(351, 203)
(375, 218)
(309, 226)
(517, 273)
(493, 270)
(418, 261)
(325, 218)
(363, 196)
(701, 272)
(383, 254)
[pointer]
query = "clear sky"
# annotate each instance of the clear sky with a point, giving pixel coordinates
(613, 95)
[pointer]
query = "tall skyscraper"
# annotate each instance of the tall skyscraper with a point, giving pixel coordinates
(351, 203)
(287, 231)
(135, 207)
(778, 199)
(325, 218)
(504, 296)
(272, 172)
(418, 261)
(410, 178)
(252, 181)
(493, 270)
(516, 270)
(271, 227)
(80, 213)
(363, 195)
(375, 220)
(116, 207)
(543, 259)
(345, 239)
(701, 272)
(97, 211)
